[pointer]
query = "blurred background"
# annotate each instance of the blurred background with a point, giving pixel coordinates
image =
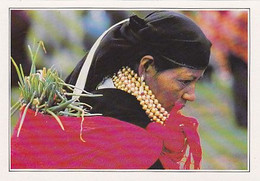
(222, 94)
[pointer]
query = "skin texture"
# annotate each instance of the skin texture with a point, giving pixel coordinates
(172, 87)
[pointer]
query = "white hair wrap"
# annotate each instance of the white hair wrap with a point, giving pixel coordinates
(82, 78)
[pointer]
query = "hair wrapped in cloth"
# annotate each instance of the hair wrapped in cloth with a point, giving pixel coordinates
(172, 38)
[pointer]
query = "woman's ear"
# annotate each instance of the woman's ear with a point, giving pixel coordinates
(146, 65)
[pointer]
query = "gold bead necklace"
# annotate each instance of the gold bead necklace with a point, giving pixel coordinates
(128, 81)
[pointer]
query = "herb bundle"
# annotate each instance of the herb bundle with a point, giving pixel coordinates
(44, 91)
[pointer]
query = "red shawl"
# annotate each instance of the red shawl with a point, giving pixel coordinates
(107, 143)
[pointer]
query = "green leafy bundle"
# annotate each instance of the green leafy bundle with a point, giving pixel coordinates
(44, 91)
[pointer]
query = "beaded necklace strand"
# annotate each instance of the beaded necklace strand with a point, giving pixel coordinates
(128, 81)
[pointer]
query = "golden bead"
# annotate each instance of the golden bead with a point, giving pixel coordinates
(145, 107)
(150, 115)
(153, 110)
(159, 106)
(146, 88)
(133, 79)
(148, 111)
(157, 113)
(165, 114)
(142, 102)
(123, 70)
(147, 101)
(141, 90)
(162, 109)
(122, 79)
(139, 98)
(164, 118)
(132, 72)
(156, 101)
(152, 97)
(150, 92)
(129, 77)
(135, 93)
(150, 106)
(158, 121)
(154, 118)
(160, 116)
(137, 84)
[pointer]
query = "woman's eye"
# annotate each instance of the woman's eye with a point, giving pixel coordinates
(185, 82)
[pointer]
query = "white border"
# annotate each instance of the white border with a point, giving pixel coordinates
(124, 174)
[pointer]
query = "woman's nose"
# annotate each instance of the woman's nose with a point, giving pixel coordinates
(189, 95)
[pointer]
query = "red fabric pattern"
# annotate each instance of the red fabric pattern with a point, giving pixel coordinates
(109, 143)
(178, 132)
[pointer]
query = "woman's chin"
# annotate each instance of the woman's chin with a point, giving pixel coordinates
(169, 108)
(176, 107)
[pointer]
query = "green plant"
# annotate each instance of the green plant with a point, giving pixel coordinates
(44, 91)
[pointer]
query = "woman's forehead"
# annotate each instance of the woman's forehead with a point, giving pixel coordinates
(184, 72)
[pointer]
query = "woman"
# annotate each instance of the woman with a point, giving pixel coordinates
(145, 71)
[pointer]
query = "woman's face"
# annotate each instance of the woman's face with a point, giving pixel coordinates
(173, 86)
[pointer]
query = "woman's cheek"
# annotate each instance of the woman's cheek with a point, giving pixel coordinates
(170, 97)
(167, 99)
